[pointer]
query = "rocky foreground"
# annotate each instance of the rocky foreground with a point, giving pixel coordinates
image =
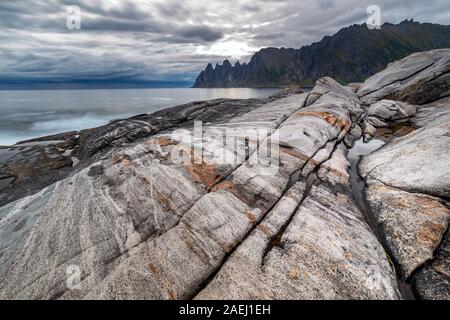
(107, 213)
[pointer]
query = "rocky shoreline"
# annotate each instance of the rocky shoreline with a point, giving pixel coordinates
(344, 216)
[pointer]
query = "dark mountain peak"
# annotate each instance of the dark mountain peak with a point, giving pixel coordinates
(209, 67)
(406, 21)
(350, 55)
(227, 64)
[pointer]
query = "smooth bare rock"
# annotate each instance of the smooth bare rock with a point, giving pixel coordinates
(408, 179)
(326, 252)
(412, 224)
(376, 122)
(335, 170)
(438, 111)
(368, 130)
(355, 131)
(32, 165)
(418, 162)
(155, 211)
(354, 86)
(140, 226)
(330, 91)
(419, 78)
(218, 222)
(405, 179)
(131, 196)
(389, 110)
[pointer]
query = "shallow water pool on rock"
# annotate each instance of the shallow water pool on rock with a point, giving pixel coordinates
(359, 150)
(355, 154)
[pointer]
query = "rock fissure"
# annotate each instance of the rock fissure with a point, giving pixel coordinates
(326, 225)
(400, 80)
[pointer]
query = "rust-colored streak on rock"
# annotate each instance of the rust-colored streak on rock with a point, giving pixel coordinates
(170, 292)
(154, 269)
(165, 203)
(429, 232)
(264, 230)
(294, 273)
(225, 185)
(123, 158)
(328, 117)
(294, 153)
(251, 216)
(190, 242)
(341, 174)
(344, 124)
(394, 131)
(205, 173)
(162, 141)
(232, 188)
(126, 162)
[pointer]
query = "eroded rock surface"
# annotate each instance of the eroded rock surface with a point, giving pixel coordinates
(153, 210)
(32, 165)
(408, 179)
(419, 78)
(384, 112)
(432, 282)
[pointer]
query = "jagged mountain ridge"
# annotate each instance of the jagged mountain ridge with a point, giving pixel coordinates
(351, 55)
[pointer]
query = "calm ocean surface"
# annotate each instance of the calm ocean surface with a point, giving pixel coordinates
(27, 114)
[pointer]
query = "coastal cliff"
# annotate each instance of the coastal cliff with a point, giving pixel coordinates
(351, 55)
(112, 203)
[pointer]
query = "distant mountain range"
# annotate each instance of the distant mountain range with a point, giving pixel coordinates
(42, 84)
(351, 55)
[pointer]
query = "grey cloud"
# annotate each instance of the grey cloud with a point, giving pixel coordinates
(173, 10)
(268, 36)
(128, 10)
(326, 4)
(154, 39)
(201, 32)
(252, 7)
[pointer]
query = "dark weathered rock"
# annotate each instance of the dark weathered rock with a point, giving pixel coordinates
(28, 167)
(432, 282)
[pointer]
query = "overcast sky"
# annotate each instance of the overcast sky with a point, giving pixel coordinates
(172, 40)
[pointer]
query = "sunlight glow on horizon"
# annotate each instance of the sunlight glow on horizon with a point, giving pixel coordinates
(230, 48)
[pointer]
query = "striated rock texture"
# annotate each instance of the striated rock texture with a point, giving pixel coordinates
(420, 78)
(352, 54)
(29, 166)
(408, 180)
(156, 207)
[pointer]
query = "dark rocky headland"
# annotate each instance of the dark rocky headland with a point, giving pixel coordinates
(351, 55)
(110, 203)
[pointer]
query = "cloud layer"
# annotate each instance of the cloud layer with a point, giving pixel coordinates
(170, 40)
